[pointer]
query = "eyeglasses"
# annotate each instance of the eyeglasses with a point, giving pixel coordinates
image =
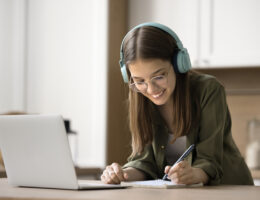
(158, 81)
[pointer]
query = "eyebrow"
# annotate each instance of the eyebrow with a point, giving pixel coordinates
(157, 71)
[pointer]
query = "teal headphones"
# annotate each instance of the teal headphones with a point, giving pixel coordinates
(181, 60)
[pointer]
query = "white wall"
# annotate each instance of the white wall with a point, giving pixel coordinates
(5, 75)
(12, 55)
(65, 68)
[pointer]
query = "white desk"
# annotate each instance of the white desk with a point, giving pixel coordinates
(201, 193)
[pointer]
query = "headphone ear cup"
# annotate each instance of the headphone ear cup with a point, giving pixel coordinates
(174, 62)
(183, 61)
(124, 73)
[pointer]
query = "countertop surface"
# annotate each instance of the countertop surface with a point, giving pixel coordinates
(204, 192)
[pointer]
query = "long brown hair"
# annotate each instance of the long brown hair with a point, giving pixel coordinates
(150, 43)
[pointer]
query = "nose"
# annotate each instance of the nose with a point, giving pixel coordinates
(151, 88)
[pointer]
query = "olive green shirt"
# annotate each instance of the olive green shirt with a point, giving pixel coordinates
(215, 153)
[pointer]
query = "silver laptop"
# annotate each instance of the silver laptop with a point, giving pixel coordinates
(36, 153)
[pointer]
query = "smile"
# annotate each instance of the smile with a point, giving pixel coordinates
(158, 95)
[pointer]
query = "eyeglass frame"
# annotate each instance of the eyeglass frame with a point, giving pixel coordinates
(134, 88)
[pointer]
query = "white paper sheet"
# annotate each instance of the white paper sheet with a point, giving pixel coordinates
(159, 183)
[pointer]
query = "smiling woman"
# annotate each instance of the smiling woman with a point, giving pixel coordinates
(170, 108)
(145, 55)
(158, 78)
(160, 81)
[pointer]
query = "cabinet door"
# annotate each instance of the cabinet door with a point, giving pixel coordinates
(229, 33)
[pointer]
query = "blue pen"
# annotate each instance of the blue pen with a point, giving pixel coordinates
(183, 156)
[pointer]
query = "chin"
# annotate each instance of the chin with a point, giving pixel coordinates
(158, 102)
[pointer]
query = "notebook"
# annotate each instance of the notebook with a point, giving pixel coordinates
(36, 153)
(157, 184)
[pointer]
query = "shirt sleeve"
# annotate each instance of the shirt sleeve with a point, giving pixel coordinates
(209, 149)
(144, 162)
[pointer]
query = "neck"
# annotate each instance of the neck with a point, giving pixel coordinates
(166, 112)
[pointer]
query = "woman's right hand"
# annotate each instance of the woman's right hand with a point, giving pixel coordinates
(114, 174)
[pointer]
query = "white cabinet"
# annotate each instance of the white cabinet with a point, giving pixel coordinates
(66, 69)
(229, 33)
(217, 33)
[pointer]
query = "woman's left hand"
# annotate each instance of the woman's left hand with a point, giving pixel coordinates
(183, 173)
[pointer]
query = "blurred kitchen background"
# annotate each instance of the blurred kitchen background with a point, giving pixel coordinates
(61, 56)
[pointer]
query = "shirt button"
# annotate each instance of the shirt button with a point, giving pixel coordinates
(162, 147)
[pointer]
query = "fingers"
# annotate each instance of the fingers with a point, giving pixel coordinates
(118, 171)
(181, 173)
(178, 167)
(113, 174)
(175, 173)
(109, 176)
(167, 169)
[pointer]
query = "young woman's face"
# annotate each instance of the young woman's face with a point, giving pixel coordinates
(155, 79)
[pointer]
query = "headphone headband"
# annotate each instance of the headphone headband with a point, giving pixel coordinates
(181, 60)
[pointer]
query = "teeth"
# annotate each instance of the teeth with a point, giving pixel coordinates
(157, 95)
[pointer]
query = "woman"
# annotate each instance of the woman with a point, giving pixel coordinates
(170, 108)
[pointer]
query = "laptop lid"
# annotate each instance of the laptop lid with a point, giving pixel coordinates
(36, 151)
